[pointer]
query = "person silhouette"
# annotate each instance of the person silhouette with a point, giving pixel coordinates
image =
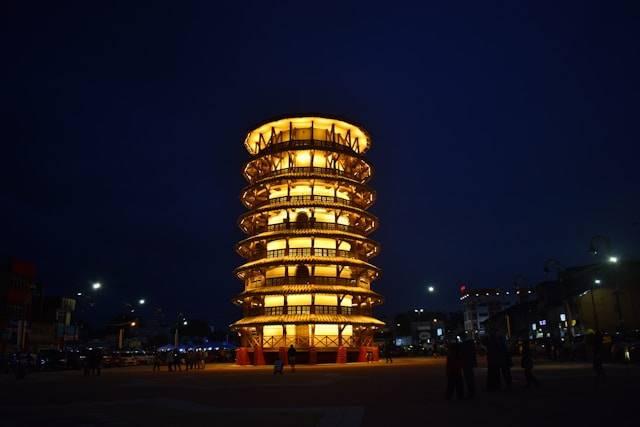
(527, 364)
(469, 362)
(454, 372)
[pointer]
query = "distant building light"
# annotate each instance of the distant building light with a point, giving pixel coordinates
(563, 317)
(543, 322)
(534, 326)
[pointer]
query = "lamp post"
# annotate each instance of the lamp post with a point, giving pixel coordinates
(593, 303)
(180, 320)
(601, 240)
(121, 332)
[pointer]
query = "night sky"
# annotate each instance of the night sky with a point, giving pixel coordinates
(503, 135)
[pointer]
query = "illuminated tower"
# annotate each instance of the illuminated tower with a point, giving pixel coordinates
(307, 278)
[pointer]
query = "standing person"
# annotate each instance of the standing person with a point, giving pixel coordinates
(156, 362)
(97, 367)
(291, 355)
(205, 354)
(277, 366)
(177, 362)
(170, 361)
(493, 363)
(454, 372)
(468, 363)
(527, 365)
(598, 367)
(506, 362)
(387, 353)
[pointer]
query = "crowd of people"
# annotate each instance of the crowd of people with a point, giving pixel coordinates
(461, 361)
(175, 360)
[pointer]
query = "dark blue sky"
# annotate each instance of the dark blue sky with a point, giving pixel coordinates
(503, 134)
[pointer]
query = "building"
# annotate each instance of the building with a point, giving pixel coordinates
(482, 303)
(307, 277)
(28, 319)
(581, 300)
(18, 288)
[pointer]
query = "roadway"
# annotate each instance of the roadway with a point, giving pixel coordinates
(407, 392)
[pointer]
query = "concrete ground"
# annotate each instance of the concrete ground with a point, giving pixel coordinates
(407, 392)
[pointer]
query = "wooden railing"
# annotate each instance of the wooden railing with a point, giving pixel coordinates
(277, 253)
(315, 225)
(307, 309)
(314, 280)
(310, 198)
(308, 170)
(308, 143)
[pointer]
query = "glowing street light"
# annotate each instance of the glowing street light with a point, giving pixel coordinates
(96, 285)
(141, 301)
(185, 323)
(613, 259)
(133, 324)
(597, 281)
(431, 289)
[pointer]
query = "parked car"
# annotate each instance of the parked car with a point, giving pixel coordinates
(52, 360)
(126, 358)
(143, 357)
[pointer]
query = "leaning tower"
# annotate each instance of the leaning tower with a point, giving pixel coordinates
(307, 277)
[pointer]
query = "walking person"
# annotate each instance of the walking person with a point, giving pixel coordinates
(291, 355)
(527, 365)
(469, 362)
(454, 372)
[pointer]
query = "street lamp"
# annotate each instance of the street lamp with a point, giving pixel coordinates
(593, 303)
(431, 289)
(141, 301)
(96, 286)
(613, 259)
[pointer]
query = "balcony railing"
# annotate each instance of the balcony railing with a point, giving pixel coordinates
(305, 341)
(307, 309)
(316, 225)
(308, 170)
(322, 252)
(313, 280)
(308, 143)
(310, 198)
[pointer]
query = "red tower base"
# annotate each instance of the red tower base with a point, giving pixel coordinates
(374, 350)
(258, 356)
(313, 356)
(283, 355)
(342, 355)
(242, 356)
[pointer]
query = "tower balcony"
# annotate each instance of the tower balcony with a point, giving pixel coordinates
(303, 171)
(303, 199)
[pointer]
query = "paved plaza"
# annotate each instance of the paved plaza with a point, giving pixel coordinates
(408, 392)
